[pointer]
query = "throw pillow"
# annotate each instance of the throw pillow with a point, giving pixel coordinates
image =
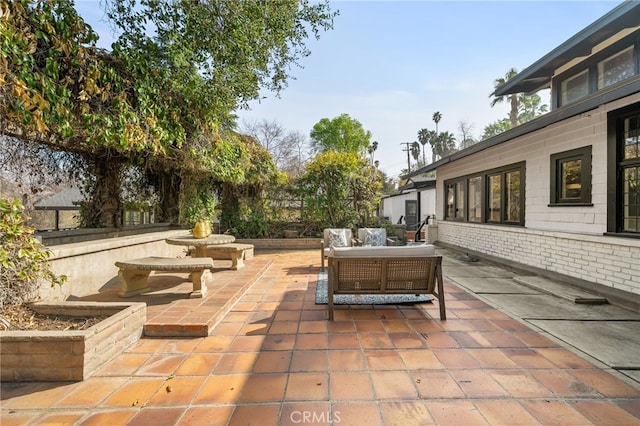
(338, 238)
(374, 237)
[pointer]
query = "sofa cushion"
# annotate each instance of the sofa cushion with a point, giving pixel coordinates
(384, 251)
(337, 238)
(372, 236)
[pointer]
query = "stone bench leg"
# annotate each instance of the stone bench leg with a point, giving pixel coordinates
(199, 280)
(237, 260)
(133, 281)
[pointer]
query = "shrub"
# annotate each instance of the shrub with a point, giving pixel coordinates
(23, 259)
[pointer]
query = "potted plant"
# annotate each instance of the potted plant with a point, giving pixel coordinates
(198, 209)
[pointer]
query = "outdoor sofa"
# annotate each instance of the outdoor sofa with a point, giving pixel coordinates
(385, 270)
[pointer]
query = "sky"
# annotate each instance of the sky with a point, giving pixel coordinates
(391, 64)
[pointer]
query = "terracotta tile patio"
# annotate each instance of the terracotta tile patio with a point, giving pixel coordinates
(273, 359)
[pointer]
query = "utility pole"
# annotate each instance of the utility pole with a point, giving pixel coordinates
(408, 151)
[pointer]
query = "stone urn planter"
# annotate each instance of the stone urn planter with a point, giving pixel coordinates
(201, 229)
(55, 356)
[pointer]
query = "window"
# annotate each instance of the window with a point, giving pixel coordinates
(455, 200)
(616, 68)
(475, 199)
(495, 196)
(611, 65)
(513, 197)
(623, 197)
(575, 87)
(571, 177)
(460, 200)
(630, 173)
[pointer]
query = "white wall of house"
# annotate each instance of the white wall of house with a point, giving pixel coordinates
(568, 240)
(393, 206)
(427, 203)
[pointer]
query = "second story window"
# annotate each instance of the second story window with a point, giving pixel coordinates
(608, 67)
(575, 87)
(616, 68)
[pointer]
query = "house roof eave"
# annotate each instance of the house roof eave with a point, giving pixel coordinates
(539, 74)
(629, 87)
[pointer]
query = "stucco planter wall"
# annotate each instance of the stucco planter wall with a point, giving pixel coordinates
(52, 356)
(90, 265)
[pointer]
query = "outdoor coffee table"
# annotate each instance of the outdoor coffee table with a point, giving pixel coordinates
(201, 244)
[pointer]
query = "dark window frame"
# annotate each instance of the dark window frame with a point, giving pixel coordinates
(591, 64)
(615, 164)
(555, 182)
(500, 171)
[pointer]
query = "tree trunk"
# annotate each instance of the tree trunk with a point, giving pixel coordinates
(167, 185)
(513, 114)
(104, 208)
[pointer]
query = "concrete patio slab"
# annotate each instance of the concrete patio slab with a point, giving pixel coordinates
(531, 306)
(474, 270)
(493, 285)
(558, 289)
(610, 342)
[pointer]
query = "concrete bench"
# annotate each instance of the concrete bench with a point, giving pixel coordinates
(134, 273)
(237, 252)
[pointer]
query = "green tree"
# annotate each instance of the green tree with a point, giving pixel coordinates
(372, 150)
(513, 98)
(425, 137)
(339, 189)
(23, 259)
(495, 128)
(446, 144)
(523, 107)
(162, 91)
(217, 53)
(342, 134)
(415, 150)
(436, 119)
(530, 106)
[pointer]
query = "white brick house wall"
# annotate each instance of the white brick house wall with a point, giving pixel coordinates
(568, 239)
(613, 262)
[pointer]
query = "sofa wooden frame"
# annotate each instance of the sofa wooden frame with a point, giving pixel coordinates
(386, 275)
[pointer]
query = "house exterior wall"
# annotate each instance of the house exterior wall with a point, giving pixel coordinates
(427, 203)
(569, 239)
(393, 206)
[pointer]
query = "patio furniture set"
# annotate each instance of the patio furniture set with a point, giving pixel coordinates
(366, 265)
(134, 273)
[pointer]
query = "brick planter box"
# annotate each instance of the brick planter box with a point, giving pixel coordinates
(52, 356)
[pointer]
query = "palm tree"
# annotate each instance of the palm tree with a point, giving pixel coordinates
(495, 128)
(436, 118)
(424, 137)
(446, 144)
(513, 114)
(372, 149)
(415, 150)
(530, 106)
(443, 145)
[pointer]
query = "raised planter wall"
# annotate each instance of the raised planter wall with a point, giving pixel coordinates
(54, 238)
(283, 243)
(53, 356)
(90, 265)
